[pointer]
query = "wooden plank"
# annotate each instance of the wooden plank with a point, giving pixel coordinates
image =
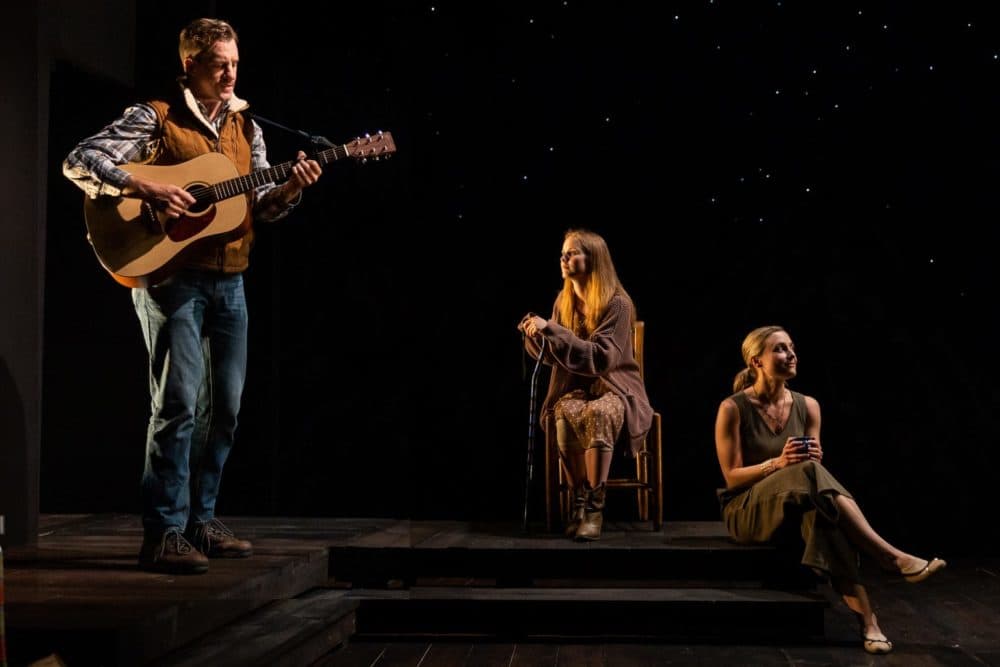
(490, 655)
(403, 654)
(683, 595)
(292, 632)
(648, 654)
(382, 654)
(353, 654)
(581, 655)
(444, 654)
(588, 613)
(304, 653)
(389, 532)
(396, 534)
(534, 655)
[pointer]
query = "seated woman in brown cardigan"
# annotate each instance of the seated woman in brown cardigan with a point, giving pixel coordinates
(595, 391)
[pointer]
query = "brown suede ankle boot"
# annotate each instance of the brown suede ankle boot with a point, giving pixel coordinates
(576, 511)
(593, 515)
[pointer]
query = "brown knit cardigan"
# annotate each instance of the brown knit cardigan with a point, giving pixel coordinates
(607, 354)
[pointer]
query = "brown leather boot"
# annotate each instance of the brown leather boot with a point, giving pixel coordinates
(576, 510)
(171, 553)
(593, 515)
(214, 540)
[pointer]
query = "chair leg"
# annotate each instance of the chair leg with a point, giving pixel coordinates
(658, 470)
(565, 500)
(642, 493)
(552, 501)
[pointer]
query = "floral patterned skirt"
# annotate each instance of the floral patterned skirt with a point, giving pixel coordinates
(593, 421)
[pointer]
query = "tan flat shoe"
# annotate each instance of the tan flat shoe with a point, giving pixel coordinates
(871, 644)
(929, 568)
(877, 646)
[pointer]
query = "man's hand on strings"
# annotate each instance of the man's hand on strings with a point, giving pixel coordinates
(171, 199)
(305, 172)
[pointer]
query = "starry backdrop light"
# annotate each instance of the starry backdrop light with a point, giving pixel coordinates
(825, 166)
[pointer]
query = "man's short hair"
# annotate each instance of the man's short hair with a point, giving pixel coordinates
(199, 36)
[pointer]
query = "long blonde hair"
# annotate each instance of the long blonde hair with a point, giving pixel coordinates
(602, 285)
(753, 346)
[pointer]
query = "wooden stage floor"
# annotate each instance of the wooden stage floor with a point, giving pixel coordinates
(78, 594)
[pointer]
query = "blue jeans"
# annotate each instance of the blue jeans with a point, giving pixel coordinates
(195, 328)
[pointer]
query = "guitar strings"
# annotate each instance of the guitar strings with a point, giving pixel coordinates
(283, 169)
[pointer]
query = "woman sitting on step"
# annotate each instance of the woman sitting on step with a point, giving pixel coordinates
(767, 440)
(595, 391)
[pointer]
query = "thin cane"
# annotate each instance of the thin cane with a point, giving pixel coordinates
(529, 473)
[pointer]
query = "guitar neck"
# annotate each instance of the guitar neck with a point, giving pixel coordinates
(277, 173)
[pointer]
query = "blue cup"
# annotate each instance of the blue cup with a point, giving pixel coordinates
(803, 441)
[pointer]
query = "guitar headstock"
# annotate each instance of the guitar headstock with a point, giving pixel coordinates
(372, 146)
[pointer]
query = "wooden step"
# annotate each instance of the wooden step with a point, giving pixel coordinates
(681, 552)
(85, 599)
(286, 633)
(686, 614)
(79, 594)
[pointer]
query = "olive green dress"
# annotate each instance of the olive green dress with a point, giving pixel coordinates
(800, 494)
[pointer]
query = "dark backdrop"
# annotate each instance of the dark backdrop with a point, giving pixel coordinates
(809, 164)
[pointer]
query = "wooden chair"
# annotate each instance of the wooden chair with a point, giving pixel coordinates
(647, 481)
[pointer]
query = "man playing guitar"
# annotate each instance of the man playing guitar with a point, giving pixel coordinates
(193, 317)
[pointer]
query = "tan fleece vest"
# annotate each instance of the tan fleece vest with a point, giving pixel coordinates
(182, 138)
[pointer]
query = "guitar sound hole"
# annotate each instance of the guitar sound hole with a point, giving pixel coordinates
(199, 207)
(199, 216)
(202, 196)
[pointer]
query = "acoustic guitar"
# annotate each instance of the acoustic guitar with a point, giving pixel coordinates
(137, 243)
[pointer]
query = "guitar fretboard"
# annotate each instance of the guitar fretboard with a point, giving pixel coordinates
(280, 172)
